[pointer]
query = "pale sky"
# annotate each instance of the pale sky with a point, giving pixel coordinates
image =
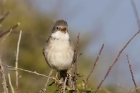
(113, 21)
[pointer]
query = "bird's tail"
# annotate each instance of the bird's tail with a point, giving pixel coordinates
(63, 75)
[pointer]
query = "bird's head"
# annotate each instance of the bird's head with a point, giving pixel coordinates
(60, 30)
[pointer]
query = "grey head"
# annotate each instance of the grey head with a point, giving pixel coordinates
(60, 25)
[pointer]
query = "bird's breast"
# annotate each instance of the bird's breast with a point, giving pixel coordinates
(59, 54)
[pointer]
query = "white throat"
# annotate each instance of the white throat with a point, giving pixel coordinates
(61, 36)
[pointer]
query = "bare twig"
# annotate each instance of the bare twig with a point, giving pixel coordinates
(4, 16)
(132, 75)
(64, 85)
(106, 90)
(131, 91)
(3, 78)
(16, 63)
(46, 85)
(5, 36)
(115, 62)
(3, 33)
(75, 61)
(122, 87)
(33, 72)
(136, 13)
(29, 34)
(10, 83)
(94, 65)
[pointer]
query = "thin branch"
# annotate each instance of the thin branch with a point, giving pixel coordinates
(29, 34)
(136, 13)
(132, 74)
(122, 87)
(115, 62)
(131, 91)
(94, 65)
(75, 61)
(32, 72)
(106, 90)
(5, 37)
(10, 83)
(64, 85)
(1, 19)
(3, 33)
(16, 63)
(46, 85)
(3, 78)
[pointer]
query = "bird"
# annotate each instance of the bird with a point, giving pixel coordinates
(58, 49)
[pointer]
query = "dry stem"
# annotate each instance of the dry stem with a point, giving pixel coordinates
(3, 33)
(94, 65)
(46, 85)
(106, 90)
(134, 89)
(64, 85)
(136, 13)
(33, 72)
(3, 78)
(1, 19)
(10, 83)
(6, 36)
(75, 61)
(115, 62)
(132, 75)
(16, 63)
(119, 85)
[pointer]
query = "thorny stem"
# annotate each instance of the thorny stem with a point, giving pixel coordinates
(94, 65)
(115, 62)
(75, 61)
(132, 75)
(3, 78)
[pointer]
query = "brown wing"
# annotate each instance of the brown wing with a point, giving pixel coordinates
(43, 51)
(71, 44)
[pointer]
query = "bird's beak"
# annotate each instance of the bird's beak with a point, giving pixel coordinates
(64, 30)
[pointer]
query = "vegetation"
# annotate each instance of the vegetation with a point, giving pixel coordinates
(23, 27)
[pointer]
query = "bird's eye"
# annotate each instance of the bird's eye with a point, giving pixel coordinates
(57, 28)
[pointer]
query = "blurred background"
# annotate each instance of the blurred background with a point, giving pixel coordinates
(112, 22)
